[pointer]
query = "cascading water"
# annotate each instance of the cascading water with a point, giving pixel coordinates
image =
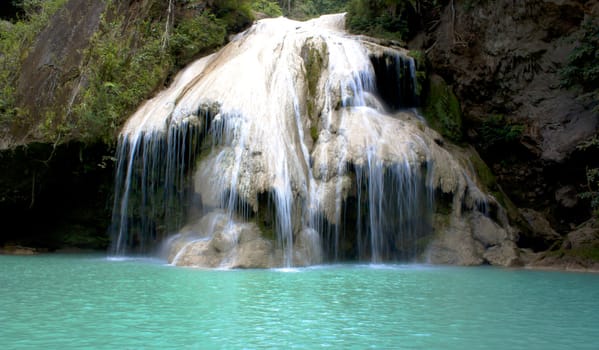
(287, 147)
(150, 182)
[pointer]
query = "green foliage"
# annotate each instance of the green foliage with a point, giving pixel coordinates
(497, 131)
(130, 57)
(236, 14)
(582, 70)
(592, 192)
(590, 252)
(15, 40)
(442, 110)
(393, 19)
(267, 7)
(592, 176)
(305, 9)
(330, 6)
(380, 18)
(120, 74)
(196, 35)
(123, 71)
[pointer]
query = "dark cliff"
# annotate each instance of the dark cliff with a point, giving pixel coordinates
(505, 60)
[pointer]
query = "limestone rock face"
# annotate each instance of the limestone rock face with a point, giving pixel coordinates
(51, 73)
(543, 235)
(472, 240)
(506, 60)
(585, 236)
(578, 251)
(215, 241)
(299, 148)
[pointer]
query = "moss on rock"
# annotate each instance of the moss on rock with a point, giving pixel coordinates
(484, 173)
(442, 109)
(315, 59)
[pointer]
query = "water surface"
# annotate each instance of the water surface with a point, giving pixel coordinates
(76, 301)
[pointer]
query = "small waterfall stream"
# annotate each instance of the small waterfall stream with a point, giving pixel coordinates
(295, 142)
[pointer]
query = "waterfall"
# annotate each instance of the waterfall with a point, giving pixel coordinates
(150, 185)
(295, 142)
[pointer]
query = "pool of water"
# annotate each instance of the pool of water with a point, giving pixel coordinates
(76, 301)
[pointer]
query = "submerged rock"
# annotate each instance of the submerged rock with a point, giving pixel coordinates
(18, 250)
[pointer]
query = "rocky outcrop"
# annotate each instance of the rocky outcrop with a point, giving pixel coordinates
(18, 250)
(503, 60)
(579, 251)
(472, 239)
(542, 234)
(51, 75)
(217, 241)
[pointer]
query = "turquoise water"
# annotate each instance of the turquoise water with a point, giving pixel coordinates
(75, 302)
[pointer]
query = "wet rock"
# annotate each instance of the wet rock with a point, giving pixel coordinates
(51, 72)
(453, 244)
(215, 241)
(505, 254)
(567, 196)
(579, 251)
(586, 235)
(473, 239)
(487, 232)
(543, 235)
(18, 250)
(506, 60)
(257, 253)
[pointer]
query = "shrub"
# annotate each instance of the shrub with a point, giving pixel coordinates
(592, 177)
(268, 8)
(197, 35)
(496, 131)
(380, 18)
(15, 39)
(581, 70)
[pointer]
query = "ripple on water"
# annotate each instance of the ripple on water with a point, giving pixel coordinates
(73, 302)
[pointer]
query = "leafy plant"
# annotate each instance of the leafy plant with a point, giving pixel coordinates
(197, 35)
(581, 70)
(497, 131)
(129, 58)
(15, 40)
(305, 9)
(592, 177)
(380, 18)
(267, 7)
(592, 192)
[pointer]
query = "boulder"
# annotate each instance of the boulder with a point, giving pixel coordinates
(505, 254)
(473, 239)
(542, 235)
(586, 235)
